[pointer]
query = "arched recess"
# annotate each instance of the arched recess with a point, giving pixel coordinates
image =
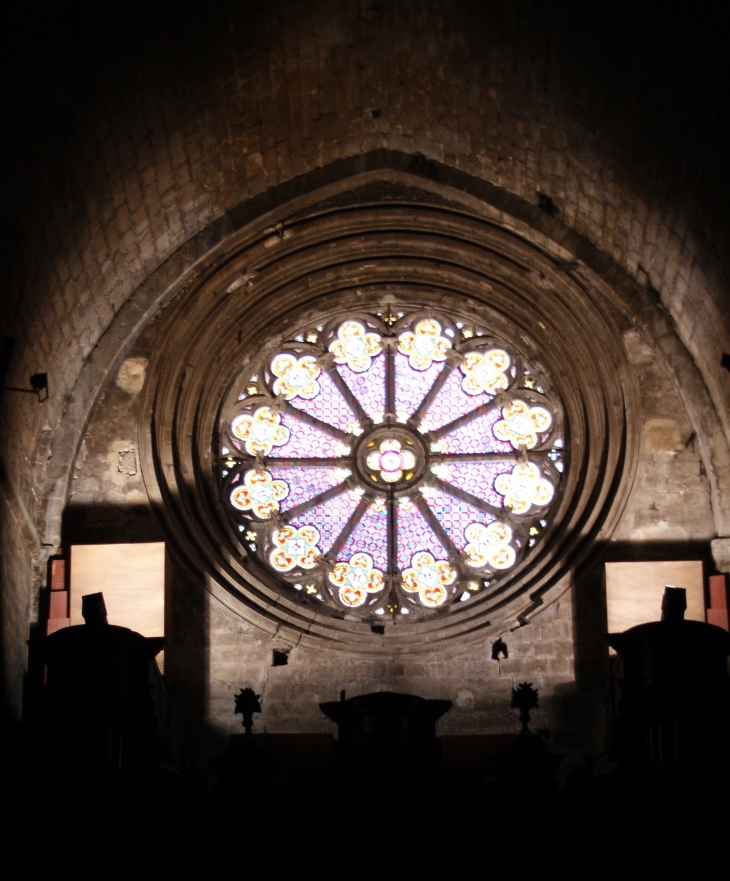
(374, 239)
(380, 224)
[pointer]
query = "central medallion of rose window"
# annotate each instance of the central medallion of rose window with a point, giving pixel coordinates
(390, 458)
(391, 464)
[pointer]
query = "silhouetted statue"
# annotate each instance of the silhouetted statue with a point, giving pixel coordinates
(93, 610)
(675, 700)
(248, 703)
(99, 697)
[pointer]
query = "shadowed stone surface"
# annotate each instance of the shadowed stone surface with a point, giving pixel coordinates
(137, 137)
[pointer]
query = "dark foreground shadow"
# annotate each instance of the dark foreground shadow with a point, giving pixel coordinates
(317, 823)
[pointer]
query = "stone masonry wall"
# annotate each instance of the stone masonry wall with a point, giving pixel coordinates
(162, 141)
(480, 688)
(670, 501)
(17, 575)
(130, 127)
(213, 652)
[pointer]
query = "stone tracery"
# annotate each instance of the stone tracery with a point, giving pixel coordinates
(295, 308)
(447, 492)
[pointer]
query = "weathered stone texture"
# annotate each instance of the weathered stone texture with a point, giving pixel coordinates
(16, 574)
(490, 89)
(107, 500)
(241, 655)
(128, 141)
(670, 500)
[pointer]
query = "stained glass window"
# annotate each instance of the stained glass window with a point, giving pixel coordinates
(391, 463)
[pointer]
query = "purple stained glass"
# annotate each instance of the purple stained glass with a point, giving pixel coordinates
(476, 478)
(451, 402)
(328, 406)
(454, 514)
(329, 518)
(368, 387)
(306, 483)
(411, 385)
(414, 534)
(306, 442)
(475, 437)
(371, 536)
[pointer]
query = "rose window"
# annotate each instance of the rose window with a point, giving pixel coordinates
(391, 463)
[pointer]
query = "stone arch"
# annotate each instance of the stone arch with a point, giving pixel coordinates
(555, 261)
(202, 254)
(127, 166)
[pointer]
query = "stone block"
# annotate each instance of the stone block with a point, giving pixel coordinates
(721, 553)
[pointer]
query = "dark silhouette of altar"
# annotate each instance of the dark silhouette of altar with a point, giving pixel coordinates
(379, 797)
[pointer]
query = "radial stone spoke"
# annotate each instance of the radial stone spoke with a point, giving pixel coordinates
(422, 501)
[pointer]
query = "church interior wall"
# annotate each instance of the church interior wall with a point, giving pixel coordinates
(113, 175)
(668, 510)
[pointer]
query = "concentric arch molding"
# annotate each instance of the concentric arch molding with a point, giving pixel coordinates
(378, 241)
